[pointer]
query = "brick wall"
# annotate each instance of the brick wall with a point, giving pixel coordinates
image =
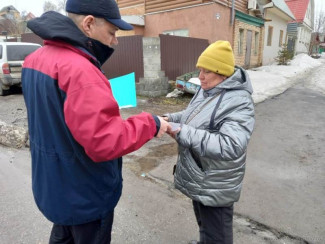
(256, 58)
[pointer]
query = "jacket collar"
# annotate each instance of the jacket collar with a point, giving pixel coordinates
(57, 27)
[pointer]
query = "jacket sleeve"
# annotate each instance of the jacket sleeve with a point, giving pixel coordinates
(231, 140)
(175, 117)
(92, 116)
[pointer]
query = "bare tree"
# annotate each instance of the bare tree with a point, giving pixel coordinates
(58, 6)
(49, 6)
(320, 22)
(61, 4)
(23, 14)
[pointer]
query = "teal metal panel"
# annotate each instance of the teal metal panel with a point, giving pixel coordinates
(249, 19)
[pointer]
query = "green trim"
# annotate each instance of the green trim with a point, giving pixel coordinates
(249, 19)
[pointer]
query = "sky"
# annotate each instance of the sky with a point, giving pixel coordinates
(36, 6)
(33, 6)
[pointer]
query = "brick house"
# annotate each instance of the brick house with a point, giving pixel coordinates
(206, 19)
(300, 30)
(9, 19)
(277, 15)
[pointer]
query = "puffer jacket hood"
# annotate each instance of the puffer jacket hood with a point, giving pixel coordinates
(238, 81)
(55, 26)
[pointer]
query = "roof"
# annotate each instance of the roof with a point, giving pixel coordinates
(8, 8)
(298, 8)
(282, 6)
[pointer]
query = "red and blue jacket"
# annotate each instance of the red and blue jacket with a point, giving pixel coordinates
(77, 135)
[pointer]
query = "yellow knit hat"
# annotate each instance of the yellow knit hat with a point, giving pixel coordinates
(218, 58)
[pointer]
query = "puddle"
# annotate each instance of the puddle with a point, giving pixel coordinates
(144, 164)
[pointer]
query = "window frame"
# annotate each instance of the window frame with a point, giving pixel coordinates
(241, 41)
(281, 38)
(269, 35)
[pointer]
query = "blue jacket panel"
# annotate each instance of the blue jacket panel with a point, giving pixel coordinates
(69, 188)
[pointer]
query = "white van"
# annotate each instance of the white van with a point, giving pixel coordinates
(12, 55)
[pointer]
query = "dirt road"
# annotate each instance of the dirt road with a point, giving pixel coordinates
(283, 197)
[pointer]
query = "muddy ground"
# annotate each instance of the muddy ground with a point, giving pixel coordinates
(283, 195)
(13, 111)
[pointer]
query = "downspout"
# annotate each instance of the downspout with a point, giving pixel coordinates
(232, 13)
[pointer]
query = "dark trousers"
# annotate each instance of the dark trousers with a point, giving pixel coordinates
(95, 232)
(215, 223)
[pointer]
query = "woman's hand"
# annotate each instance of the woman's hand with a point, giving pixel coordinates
(174, 133)
(174, 129)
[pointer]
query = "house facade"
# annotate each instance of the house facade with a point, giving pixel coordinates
(277, 15)
(9, 21)
(198, 19)
(10, 12)
(248, 40)
(204, 19)
(300, 30)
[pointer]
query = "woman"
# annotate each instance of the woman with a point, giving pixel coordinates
(213, 136)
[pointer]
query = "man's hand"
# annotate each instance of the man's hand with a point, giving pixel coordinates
(164, 127)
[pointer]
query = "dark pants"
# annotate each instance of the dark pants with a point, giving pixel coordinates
(96, 232)
(215, 223)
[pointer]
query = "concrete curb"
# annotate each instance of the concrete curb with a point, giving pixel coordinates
(13, 136)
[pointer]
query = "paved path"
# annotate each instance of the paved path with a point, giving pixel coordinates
(282, 201)
(285, 181)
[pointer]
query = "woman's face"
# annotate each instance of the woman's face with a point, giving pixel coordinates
(209, 79)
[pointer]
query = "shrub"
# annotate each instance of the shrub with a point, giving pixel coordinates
(284, 56)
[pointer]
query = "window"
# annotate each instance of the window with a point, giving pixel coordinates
(281, 38)
(256, 40)
(241, 41)
(182, 32)
(269, 36)
(19, 52)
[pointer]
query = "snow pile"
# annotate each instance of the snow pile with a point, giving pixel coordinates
(266, 84)
(271, 80)
(304, 61)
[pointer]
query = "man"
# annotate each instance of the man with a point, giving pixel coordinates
(77, 136)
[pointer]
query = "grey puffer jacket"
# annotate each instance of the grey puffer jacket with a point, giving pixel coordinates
(211, 161)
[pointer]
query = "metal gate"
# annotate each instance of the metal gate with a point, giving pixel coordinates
(127, 58)
(179, 54)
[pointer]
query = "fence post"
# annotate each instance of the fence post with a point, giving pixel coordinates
(154, 83)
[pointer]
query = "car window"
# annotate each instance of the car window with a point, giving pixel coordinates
(19, 52)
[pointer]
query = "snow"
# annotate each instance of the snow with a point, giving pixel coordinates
(271, 80)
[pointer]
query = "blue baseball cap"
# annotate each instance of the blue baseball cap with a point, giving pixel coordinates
(106, 9)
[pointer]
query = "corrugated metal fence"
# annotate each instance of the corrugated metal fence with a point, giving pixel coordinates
(179, 54)
(127, 58)
(31, 37)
